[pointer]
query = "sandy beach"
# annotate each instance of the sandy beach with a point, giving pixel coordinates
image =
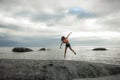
(24, 69)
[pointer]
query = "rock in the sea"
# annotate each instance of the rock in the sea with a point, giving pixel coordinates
(43, 49)
(99, 49)
(21, 49)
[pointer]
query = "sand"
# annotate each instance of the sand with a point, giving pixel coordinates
(18, 69)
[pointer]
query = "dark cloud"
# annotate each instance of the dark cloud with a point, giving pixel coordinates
(40, 41)
(45, 17)
(10, 26)
(106, 7)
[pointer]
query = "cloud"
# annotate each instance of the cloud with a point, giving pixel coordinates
(110, 22)
(35, 21)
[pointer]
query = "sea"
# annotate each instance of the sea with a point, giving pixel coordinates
(84, 53)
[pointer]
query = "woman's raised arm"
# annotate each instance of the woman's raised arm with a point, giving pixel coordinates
(68, 35)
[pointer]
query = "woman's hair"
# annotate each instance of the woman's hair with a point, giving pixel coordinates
(62, 38)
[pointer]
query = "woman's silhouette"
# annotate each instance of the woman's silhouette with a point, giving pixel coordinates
(65, 40)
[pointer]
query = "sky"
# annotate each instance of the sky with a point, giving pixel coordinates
(43, 22)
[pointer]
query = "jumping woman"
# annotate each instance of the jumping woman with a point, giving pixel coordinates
(65, 40)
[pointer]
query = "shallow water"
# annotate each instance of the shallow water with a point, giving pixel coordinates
(111, 56)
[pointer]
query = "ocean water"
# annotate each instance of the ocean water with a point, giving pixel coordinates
(111, 56)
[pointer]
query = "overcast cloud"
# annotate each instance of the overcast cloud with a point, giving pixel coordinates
(43, 22)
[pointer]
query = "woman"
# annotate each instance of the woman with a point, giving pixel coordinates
(65, 40)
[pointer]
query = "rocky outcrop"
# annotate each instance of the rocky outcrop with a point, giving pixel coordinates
(21, 49)
(54, 70)
(99, 49)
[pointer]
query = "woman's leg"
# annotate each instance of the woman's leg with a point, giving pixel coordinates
(72, 50)
(65, 52)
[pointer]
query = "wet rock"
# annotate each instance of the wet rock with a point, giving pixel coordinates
(43, 49)
(21, 49)
(99, 49)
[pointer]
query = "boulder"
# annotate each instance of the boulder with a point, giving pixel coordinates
(99, 49)
(21, 49)
(43, 49)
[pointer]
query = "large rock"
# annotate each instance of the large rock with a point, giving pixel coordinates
(99, 49)
(21, 49)
(17, 69)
